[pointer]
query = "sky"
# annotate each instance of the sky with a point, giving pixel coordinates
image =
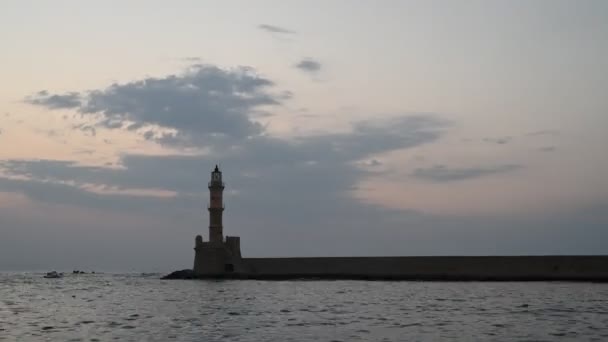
(343, 128)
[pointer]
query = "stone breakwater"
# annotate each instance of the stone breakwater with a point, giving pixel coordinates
(449, 268)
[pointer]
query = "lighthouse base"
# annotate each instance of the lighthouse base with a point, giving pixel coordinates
(218, 258)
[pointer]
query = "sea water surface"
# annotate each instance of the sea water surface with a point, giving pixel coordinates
(134, 307)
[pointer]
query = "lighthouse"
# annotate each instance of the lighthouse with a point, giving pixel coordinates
(216, 206)
(218, 256)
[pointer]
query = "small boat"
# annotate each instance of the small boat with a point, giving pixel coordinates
(53, 274)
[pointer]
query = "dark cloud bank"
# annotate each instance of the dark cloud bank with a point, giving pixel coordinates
(284, 197)
(204, 101)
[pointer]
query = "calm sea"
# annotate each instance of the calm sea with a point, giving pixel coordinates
(129, 307)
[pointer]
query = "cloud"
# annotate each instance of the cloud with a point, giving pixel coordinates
(543, 132)
(192, 59)
(309, 65)
(548, 149)
(52, 191)
(202, 102)
(442, 174)
(55, 101)
(212, 108)
(372, 162)
(87, 129)
(275, 29)
(499, 141)
(331, 153)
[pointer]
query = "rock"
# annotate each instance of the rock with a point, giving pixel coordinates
(183, 274)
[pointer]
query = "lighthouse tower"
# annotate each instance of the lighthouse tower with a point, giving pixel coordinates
(218, 256)
(216, 207)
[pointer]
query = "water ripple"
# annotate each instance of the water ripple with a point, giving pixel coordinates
(136, 307)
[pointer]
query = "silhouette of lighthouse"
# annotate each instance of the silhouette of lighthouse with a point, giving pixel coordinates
(219, 256)
(216, 206)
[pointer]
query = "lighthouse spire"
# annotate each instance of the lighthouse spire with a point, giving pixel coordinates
(216, 206)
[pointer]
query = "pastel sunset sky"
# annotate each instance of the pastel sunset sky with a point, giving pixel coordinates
(341, 127)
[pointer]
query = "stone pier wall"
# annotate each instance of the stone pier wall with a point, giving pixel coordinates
(432, 268)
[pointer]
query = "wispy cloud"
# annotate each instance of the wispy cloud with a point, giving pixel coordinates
(275, 29)
(498, 140)
(542, 132)
(55, 101)
(309, 65)
(443, 174)
(548, 149)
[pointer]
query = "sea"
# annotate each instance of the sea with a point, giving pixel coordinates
(141, 307)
